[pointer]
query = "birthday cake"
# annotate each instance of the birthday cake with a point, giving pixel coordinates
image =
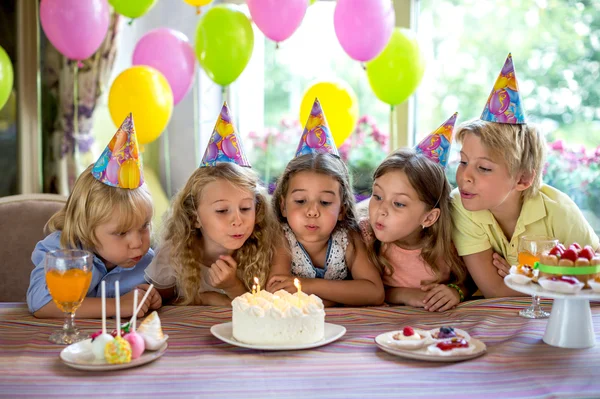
(282, 318)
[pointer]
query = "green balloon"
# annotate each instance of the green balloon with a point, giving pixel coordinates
(132, 8)
(6, 77)
(395, 73)
(312, 2)
(224, 43)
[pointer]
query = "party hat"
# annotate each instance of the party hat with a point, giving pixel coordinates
(120, 164)
(504, 102)
(436, 146)
(316, 137)
(225, 144)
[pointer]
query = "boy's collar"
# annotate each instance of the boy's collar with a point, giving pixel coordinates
(533, 209)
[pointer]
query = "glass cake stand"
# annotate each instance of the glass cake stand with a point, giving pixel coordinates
(570, 323)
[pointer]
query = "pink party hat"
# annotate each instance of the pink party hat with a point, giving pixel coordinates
(316, 137)
(120, 164)
(225, 144)
(504, 102)
(436, 146)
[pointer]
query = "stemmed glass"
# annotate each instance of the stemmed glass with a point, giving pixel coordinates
(68, 276)
(530, 249)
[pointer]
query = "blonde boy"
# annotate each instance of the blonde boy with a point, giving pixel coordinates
(500, 195)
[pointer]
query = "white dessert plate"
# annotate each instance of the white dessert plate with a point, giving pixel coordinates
(79, 356)
(407, 344)
(382, 341)
(224, 332)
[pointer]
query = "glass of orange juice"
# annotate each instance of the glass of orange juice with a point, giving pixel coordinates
(530, 249)
(68, 277)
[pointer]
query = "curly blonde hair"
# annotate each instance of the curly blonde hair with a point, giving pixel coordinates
(92, 203)
(325, 164)
(430, 183)
(253, 258)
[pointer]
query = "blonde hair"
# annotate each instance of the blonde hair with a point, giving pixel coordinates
(253, 258)
(325, 164)
(92, 203)
(429, 181)
(522, 147)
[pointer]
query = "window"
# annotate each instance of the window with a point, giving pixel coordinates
(268, 94)
(555, 50)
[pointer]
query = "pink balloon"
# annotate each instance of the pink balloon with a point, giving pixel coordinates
(169, 52)
(75, 27)
(277, 19)
(112, 171)
(316, 138)
(230, 147)
(499, 102)
(364, 27)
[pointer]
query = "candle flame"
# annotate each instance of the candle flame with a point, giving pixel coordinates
(298, 285)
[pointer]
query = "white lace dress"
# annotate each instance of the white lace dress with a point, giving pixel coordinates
(335, 263)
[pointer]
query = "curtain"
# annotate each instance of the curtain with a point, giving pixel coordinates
(68, 146)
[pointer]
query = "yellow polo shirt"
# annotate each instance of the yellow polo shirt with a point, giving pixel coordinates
(550, 213)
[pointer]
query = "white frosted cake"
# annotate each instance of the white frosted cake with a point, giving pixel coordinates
(278, 319)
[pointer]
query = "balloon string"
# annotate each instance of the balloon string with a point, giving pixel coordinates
(130, 22)
(198, 10)
(167, 156)
(76, 103)
(196, 122)
(393, 129)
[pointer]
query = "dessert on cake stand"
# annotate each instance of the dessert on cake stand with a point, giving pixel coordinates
(570, 323)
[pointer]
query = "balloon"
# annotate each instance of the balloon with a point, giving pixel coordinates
(6, 77)
(129, 174)
(144, 92)
(397, 71)
(224, 43)
(364, 27)
(169, 52)
(132, 8)
(230, 146)
(340, 107)
(198, 4)
(75, 27)
(112, 171)
(276, 20)
(499, 102)
(312, 2)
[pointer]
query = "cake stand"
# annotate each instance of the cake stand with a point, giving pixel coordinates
(570, 323)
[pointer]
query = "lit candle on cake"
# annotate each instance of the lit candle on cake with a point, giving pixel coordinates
(257, 284)
(254, 289)
(298, 286)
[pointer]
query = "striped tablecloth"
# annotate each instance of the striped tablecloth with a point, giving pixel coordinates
(518, 364)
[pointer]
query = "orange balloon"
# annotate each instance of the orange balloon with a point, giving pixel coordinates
(129, 174)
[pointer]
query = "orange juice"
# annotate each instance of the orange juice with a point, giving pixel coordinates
(526, 258)
(68, 288)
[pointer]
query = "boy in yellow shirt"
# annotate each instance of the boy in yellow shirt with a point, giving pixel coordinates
(500, 195)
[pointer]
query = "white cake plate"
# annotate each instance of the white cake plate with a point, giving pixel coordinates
(570, 323)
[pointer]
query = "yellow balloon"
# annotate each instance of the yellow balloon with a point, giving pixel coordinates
(129, 174)
(198, 3)
(145, 93)
(339, 104)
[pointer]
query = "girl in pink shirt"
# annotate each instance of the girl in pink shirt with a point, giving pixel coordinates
(408, 233)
